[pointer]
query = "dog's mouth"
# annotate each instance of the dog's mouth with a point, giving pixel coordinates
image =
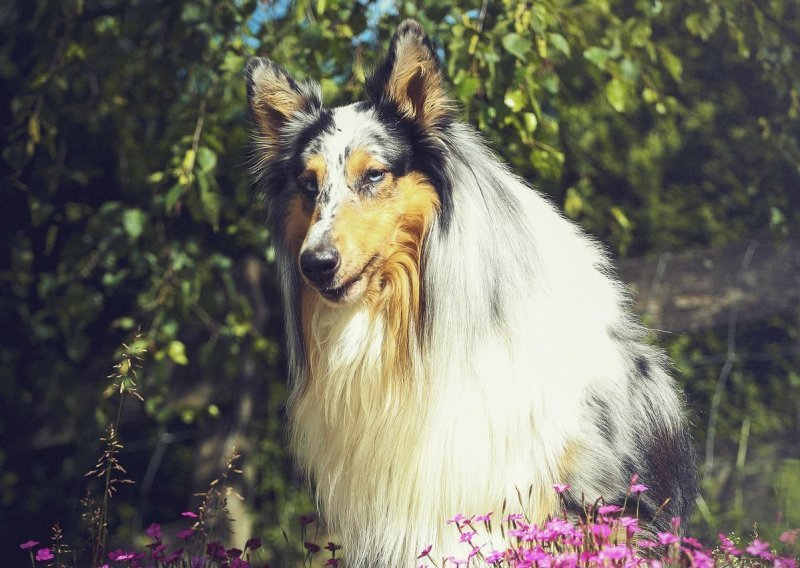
(352, 288)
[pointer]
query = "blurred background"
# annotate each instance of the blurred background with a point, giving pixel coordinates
(670, 130)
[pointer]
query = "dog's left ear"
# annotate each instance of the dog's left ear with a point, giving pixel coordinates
(275, 99)
(410, 78)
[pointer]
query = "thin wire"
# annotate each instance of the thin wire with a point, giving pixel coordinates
(655, 284)
(730, 359)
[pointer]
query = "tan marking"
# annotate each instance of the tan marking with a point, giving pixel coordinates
(359, 162)
(569, 462)
(416, 84)
(390, 228)
(543, 503)
(298, 220)
(273, 102)
(316, 167)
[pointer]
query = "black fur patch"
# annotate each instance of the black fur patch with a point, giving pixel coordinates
(424, 154)
(600, 412)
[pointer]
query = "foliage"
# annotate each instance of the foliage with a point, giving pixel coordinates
(657, 125)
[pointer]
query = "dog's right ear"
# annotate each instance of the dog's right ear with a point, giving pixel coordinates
(275, 98)
(410, 79)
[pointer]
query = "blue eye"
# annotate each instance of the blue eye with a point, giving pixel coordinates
(375, 176)
(309, 186)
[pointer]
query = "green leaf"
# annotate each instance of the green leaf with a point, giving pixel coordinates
(467, 88)
(620, 217)
(233, 62)
(640, 35)
(617, 95)
(560, 43)
(673, 64)
(172, 196)
(206, 159)
(649, 95)
(598, 56)
(531, 122)
(515, 100)
(517, 45)
(188, 160)
(573, 204)
(176, 351)
(133, 220)
(211, 205)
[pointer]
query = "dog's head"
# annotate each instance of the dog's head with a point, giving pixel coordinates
(352, 190)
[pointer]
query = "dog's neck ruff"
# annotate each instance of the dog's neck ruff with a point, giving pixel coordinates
(359, 408)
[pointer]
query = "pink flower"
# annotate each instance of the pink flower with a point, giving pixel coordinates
(483, 518)
(568, 560)
(702, 559)
(676, 524)
(44, 554)
(425, 551)
(561, 487)
(667, 538)
(728, 547)
(189, 515)
(466, 536)
(617, 552)
(331, 546)
(602, 531)
(609, 509)
(788, 537)
(333, 561)
(28, 545)
(693, 542)
(185, 534)
(494, 556)
(575, 539)
(157, 549)
(457, 520)
(784, 563)
(154, 531)
(513, 518)
(252, 544)
(311, 547)
(233, 553)
(637, 488)
(759, 548)
(120, 555)
(629, 522)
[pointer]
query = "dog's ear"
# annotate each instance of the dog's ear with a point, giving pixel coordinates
(410, 78)
(275, 98)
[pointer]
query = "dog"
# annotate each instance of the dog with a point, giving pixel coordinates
(454, 343)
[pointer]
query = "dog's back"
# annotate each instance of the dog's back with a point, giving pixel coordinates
(454, 342)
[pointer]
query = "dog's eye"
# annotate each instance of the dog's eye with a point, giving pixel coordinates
(309, 186)
(374, 176)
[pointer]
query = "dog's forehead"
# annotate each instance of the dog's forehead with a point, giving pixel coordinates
(352, 127)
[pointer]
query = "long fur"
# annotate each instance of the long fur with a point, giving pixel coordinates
(487, 353)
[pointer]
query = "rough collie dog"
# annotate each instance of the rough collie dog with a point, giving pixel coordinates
(454, 343)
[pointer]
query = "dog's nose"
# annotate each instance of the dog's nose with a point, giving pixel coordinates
(319, 265)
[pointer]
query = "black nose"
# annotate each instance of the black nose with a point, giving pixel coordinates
(319, 265)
